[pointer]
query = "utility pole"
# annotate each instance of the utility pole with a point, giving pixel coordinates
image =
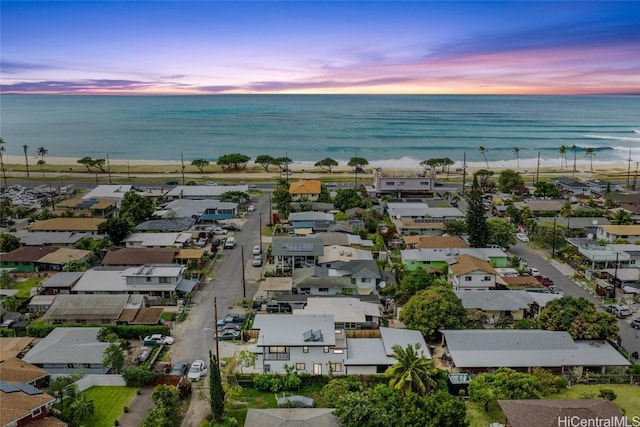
(244, 283)
(356, 165)
(538, 169)
(53, 204)
(108, 168)
(182, 164)
(615, 275)
(215, 326)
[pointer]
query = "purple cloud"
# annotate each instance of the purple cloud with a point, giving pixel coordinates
(75, 86)
(323, 84)
(217, 89)
(11, 67)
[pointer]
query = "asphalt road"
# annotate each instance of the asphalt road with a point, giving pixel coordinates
(630, 338)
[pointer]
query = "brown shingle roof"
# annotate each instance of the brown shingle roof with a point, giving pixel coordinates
(435, 242)
(19, 404)
(547, 413)
(148, 316)
(16, 370)
(65, 255)
(73, 203)
(190, 254)
(10, 347)
(308, 186)
(28, 253)
(468, 263)
(140, 256)
(67, 224)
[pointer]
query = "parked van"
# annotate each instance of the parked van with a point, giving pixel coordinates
(230, 243)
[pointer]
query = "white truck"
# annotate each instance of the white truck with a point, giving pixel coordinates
(230, 243)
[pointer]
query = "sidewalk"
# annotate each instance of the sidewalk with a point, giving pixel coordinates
(139, 408)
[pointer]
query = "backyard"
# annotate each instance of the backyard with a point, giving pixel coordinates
(24, 286)
(109, 403)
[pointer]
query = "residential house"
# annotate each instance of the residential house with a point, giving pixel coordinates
(206, 210)
(14, 370)
(611, 233)
(292, 252)
(313, 206)
(201, 192)
(398, 210)
(556, 412)
(161, 281)
(60, 283)
(418, 227)
(577, 225)
(599, 187)
(348, 312)
(92, 208)
(337, 253)
(157, 240)
(361, 277)
(52, 238)
(437, 258)
(470, 273)
(69, 351)
(498, 304)
(140, 256)
(191, 256)
(281, 417)
(600, 257)
(104, 308)
(68, 225)
(434, 242)
(305, 190)
(315, 221)
(481, 350)
(25, 258)
(402, 185)
(541, 206)
(23, 404)
(624, 278)
(109, 191)
(571, 187)
(57, 260)
(312, 344)
(344, 239)
(168, 225)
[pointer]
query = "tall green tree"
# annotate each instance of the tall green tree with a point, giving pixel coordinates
(281, 199)
(25, 147)
(590, 153)
(10, 303)
(87, 162)
(4, 172)
(501, 232)
(546, 189)
(476, 219)
(8, 242)
(327, 163)
(168, 397)
(347, 198)
(135, 208)
(580, 318)
(42, 151)
(216, 392)
(113, 358)
(432, 309)
(575, 156)
(81, 407)
(377, 407)
(233, 161)
(622, 217)
(282, 163)
(116, 228)
(563, 155)
(357, 162)
(200, 164)
(483, 151)
(439, 409)
(412, 372)
(265, 161)
(158, 417)
(505, 384)
(510, 181)
(516, 151)
(235, 197)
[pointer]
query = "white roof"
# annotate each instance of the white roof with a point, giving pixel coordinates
(367, 351)
(158, 239)
(163, 270)
(443, 254)
(402, 210)
(204, 191)
(114, 280)
(68, 345)
(356, 240)
(290, 330)
(110, 191)
(343, 253)
(403, 337)
(343, 309)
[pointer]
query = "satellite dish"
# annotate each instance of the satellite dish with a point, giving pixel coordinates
(590, 236)
(383, 284)
(398, 217)
(594, 222)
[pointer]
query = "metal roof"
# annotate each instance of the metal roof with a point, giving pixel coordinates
(98, 307)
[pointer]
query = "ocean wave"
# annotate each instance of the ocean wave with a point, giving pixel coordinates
(615, 138)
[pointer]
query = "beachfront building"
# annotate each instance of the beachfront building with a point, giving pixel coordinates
(201, 192)
(93, 208)
(401, 184)
(305, 190)
(571, 187)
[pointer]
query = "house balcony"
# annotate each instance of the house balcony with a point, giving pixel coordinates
(277, 356)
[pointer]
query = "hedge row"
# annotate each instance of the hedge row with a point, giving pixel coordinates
(41, 330)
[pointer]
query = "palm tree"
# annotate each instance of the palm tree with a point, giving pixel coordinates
(516, 151)
(622, 217)
(575, 151)
(4, 173)
(412, 371)
(590, 153)
(483, 151)
(563, 155)
(80, 407)
(25, 147)
(42, 152)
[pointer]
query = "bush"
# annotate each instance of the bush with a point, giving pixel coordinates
(139, 376)
(291, 382)
(266, 382)
(41, 330)
(607, 393)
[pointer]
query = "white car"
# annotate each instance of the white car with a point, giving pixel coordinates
(159, 339)
(257, 261)
(251, 208)
(197, 371)
(257, 250)
(522, 237)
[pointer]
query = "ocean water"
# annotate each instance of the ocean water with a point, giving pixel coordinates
(387, 130)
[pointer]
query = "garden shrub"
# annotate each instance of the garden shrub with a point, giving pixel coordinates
(291, 382)
(607, 393)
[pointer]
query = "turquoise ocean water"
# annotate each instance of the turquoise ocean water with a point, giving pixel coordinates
(387, 130)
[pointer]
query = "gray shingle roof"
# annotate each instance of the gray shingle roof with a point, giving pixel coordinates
(68, 345)
(297, 246)
(289, 329)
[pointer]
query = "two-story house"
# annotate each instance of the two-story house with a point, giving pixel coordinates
(23, 404)
(348, 312)
(611, 233)
(157, 240)
(308, 189)
(92, 207)
(438, 258)
(467, 272)
(571, 187)
(293, 252)
(316, 221)
(400, 185)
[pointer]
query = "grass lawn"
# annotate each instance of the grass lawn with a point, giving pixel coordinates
(264, 400)
(24, 288)
(109, 403)
(627, 401)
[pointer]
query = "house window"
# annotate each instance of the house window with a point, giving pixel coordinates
(36, 412)
(278, 349)
(323, 289)
(487, 278)
(165, 280)
(326, 349)
(305, 349)
(338, 351)
(267, 368)
(86, 365)
(148, 279)
(336, 367)
(305, 290)
(71, 365)
(424, 183)
(300, 367)
(467, 278)
(391, 183)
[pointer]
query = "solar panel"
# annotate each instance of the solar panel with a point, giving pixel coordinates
(316, 335)
(299, 246)
(28, 388)
(308, 335)
(8, 388)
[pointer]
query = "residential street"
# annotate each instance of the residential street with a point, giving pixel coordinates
(194, 336)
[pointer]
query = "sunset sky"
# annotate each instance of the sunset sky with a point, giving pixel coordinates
(208, 47)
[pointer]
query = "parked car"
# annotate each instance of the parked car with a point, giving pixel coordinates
(230, 243)
(522, 237)
(257, 250)
(277, 307)
(622, 311)
(534, 271)
(232, 326)
(544, 280)
(231, 319)
(232, 227)
(218, 230)
(635, 323)
(179, 368)
(610, 308)
(228, 334)
(197, 371)
(555, 290)
(251, 208)
(159, 339)
(257, 261)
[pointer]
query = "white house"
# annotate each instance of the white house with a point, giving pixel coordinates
(349, 313)
(470, 273)
(610, 233)
(157, 240)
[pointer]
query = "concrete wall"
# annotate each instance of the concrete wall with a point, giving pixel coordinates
(100, 380)
(361, 370)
